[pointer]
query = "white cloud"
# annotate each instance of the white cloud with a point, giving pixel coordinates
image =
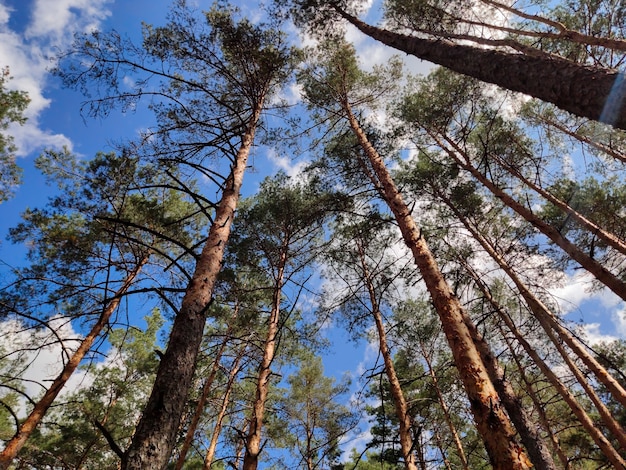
(290, 166)
(57, 20)
(26, 53)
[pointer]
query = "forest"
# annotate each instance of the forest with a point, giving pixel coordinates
(433, 218)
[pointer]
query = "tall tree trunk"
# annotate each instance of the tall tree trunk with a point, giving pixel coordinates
(539, 408)
(545, 317)
(41, 407)
(219, 420)
(609, 150)
(491, 421)
(155, 436)
(399, 402)
(601, 441)
(579, 89)
(538, 453)
(594, 267)
(446, 412)
(543, 418)
(253, 439)
(609, 238)
(206, 389)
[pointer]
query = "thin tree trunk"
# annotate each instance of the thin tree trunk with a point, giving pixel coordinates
(253, 440)
(579, 89)
(446, 412)
(206, 389)
(41, 407)
(615, 153)
(219, 421)
(491, 421)
(594, 267)
(609, 238)
(543, 314)
(543, 418)
(402, 410)
(155, 436)
(601, 441)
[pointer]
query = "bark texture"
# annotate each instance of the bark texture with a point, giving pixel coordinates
(593, 92)
(155, 435)
(492, 422)
(401, 408)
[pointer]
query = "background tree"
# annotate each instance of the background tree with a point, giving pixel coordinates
(13, 103)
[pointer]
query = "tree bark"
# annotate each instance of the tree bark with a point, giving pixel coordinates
(594, 267)
(582, 90)
(402, 410)
(491, 421)
(219, 420)
(206, 389)
(253, 439)
(41, 407)
(446, 412)
(601, 441)
(545, 317)
(155, 436)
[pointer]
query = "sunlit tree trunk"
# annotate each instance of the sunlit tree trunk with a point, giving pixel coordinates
(253, 439)
(43, 404)
(580, 89)
(446, 412)
(601, 441)
(219, 420)
(594, 267)
(539, 407)
(492, 422)
(155, 435)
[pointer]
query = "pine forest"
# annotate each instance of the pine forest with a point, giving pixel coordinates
(435, 207)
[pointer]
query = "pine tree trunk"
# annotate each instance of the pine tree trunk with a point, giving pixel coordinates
(543, 418)
(253, 439)
(580, 89)
(402, 411)
(600, 272)
(609, 238)
(155, 436)
(545, 317)
(492, 422)
(601, 441)
(446, 412)
(219, 420)
(206, 389)
(41, 407)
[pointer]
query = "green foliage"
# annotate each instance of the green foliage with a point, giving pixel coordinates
(12, 106)
(313, 415)
(113, 394)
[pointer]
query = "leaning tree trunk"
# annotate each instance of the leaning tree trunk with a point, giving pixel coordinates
(401, 408)
(253, 439)
(155, 435)
(492, 422)
(601, 441)
(579, 89)
(219, 420)
(446, 412)
(41, 407)
(587, 262)
(545, 317)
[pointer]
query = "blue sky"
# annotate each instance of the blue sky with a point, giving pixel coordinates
(32, 31)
